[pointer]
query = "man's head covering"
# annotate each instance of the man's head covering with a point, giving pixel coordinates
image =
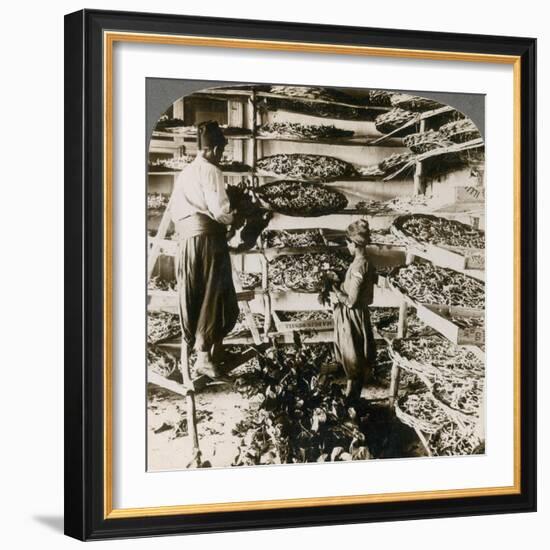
(210, 135)
(359, 232)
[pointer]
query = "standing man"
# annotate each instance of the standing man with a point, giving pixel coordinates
(201, 213)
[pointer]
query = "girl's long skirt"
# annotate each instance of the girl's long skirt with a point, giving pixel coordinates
(354, 341)
(207, 298)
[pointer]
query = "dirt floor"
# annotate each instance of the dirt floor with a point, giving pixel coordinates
(220, 408)
(218, 411)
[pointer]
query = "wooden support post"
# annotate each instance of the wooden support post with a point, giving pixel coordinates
(395, 369)
(236, 118)
(267, 314)
(409, 258)
(402, 323)
(418, 180)
(394, 384)
(267, 296)
(265, 273)
(191, 410)
(179, 108)
(418, 183)
(254, 126)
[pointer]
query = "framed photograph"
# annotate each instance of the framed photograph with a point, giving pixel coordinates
(300, 274)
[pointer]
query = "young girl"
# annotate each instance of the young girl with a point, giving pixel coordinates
(353, 336)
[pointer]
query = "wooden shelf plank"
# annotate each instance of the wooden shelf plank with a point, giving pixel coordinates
(283, 97)
(307, 301)
(355, 140)
(224, 172)
(360, 141)
(215, 93)
(246, 134)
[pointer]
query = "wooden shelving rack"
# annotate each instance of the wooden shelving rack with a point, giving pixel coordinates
(250, 146)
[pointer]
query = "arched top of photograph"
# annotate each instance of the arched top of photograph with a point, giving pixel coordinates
(363, 133)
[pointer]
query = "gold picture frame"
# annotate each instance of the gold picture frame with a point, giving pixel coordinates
(102, 30)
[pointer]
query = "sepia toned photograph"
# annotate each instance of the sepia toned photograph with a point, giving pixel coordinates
(315, 275)
(300, 274)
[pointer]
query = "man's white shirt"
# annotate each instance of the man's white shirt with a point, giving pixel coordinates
(200, 189)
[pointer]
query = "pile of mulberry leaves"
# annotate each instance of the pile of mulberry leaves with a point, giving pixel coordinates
(302, 415)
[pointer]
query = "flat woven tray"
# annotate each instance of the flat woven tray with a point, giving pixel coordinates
(429, 375)
(421, 424)
(336, 203)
